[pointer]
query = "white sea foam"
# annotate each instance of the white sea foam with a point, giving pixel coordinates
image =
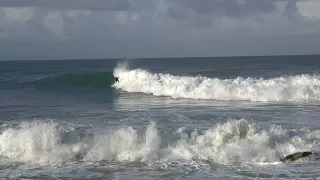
(125, 145)
(239, 142)
(37, 142)
(232, 142)
(287, 88)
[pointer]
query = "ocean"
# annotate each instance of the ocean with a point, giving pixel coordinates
(178, 118)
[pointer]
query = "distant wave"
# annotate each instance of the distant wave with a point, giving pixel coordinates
(232, 142)
(286, 88)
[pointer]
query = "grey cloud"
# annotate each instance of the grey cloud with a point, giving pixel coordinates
(291, 8)
(70, 4)
(230, 8)
(150, 28)
(205, 13)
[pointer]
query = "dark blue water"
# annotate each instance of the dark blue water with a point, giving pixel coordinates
(194, 118)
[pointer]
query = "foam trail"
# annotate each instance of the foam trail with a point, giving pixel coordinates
(290, 88)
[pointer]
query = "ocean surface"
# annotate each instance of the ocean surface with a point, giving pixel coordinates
(180, 118)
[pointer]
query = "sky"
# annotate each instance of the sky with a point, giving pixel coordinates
(85, 29)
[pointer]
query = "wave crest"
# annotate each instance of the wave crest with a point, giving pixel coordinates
(289, 88)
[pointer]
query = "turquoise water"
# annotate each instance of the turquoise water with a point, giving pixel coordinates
(185, 118)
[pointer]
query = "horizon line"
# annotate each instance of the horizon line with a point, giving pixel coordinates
(177, 57)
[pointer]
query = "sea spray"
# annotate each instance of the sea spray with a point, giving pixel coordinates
(125, 144)
(232, 142)
(37, 142)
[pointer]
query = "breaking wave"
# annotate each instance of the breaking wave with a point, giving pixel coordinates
(232, 142)
(286, 88)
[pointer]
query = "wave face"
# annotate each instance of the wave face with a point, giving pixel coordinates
(287, 88)
(232, 142)
(69, 81)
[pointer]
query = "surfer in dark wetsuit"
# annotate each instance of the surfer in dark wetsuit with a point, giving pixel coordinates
(296, 156)
(116, 79)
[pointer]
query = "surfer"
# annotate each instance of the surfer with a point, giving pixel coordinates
(116, 79)
(296, 156)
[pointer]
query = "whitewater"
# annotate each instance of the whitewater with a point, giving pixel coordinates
(186, 118)
(231, 143)
(303, 87)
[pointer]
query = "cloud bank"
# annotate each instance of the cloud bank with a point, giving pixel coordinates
(157, 28)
